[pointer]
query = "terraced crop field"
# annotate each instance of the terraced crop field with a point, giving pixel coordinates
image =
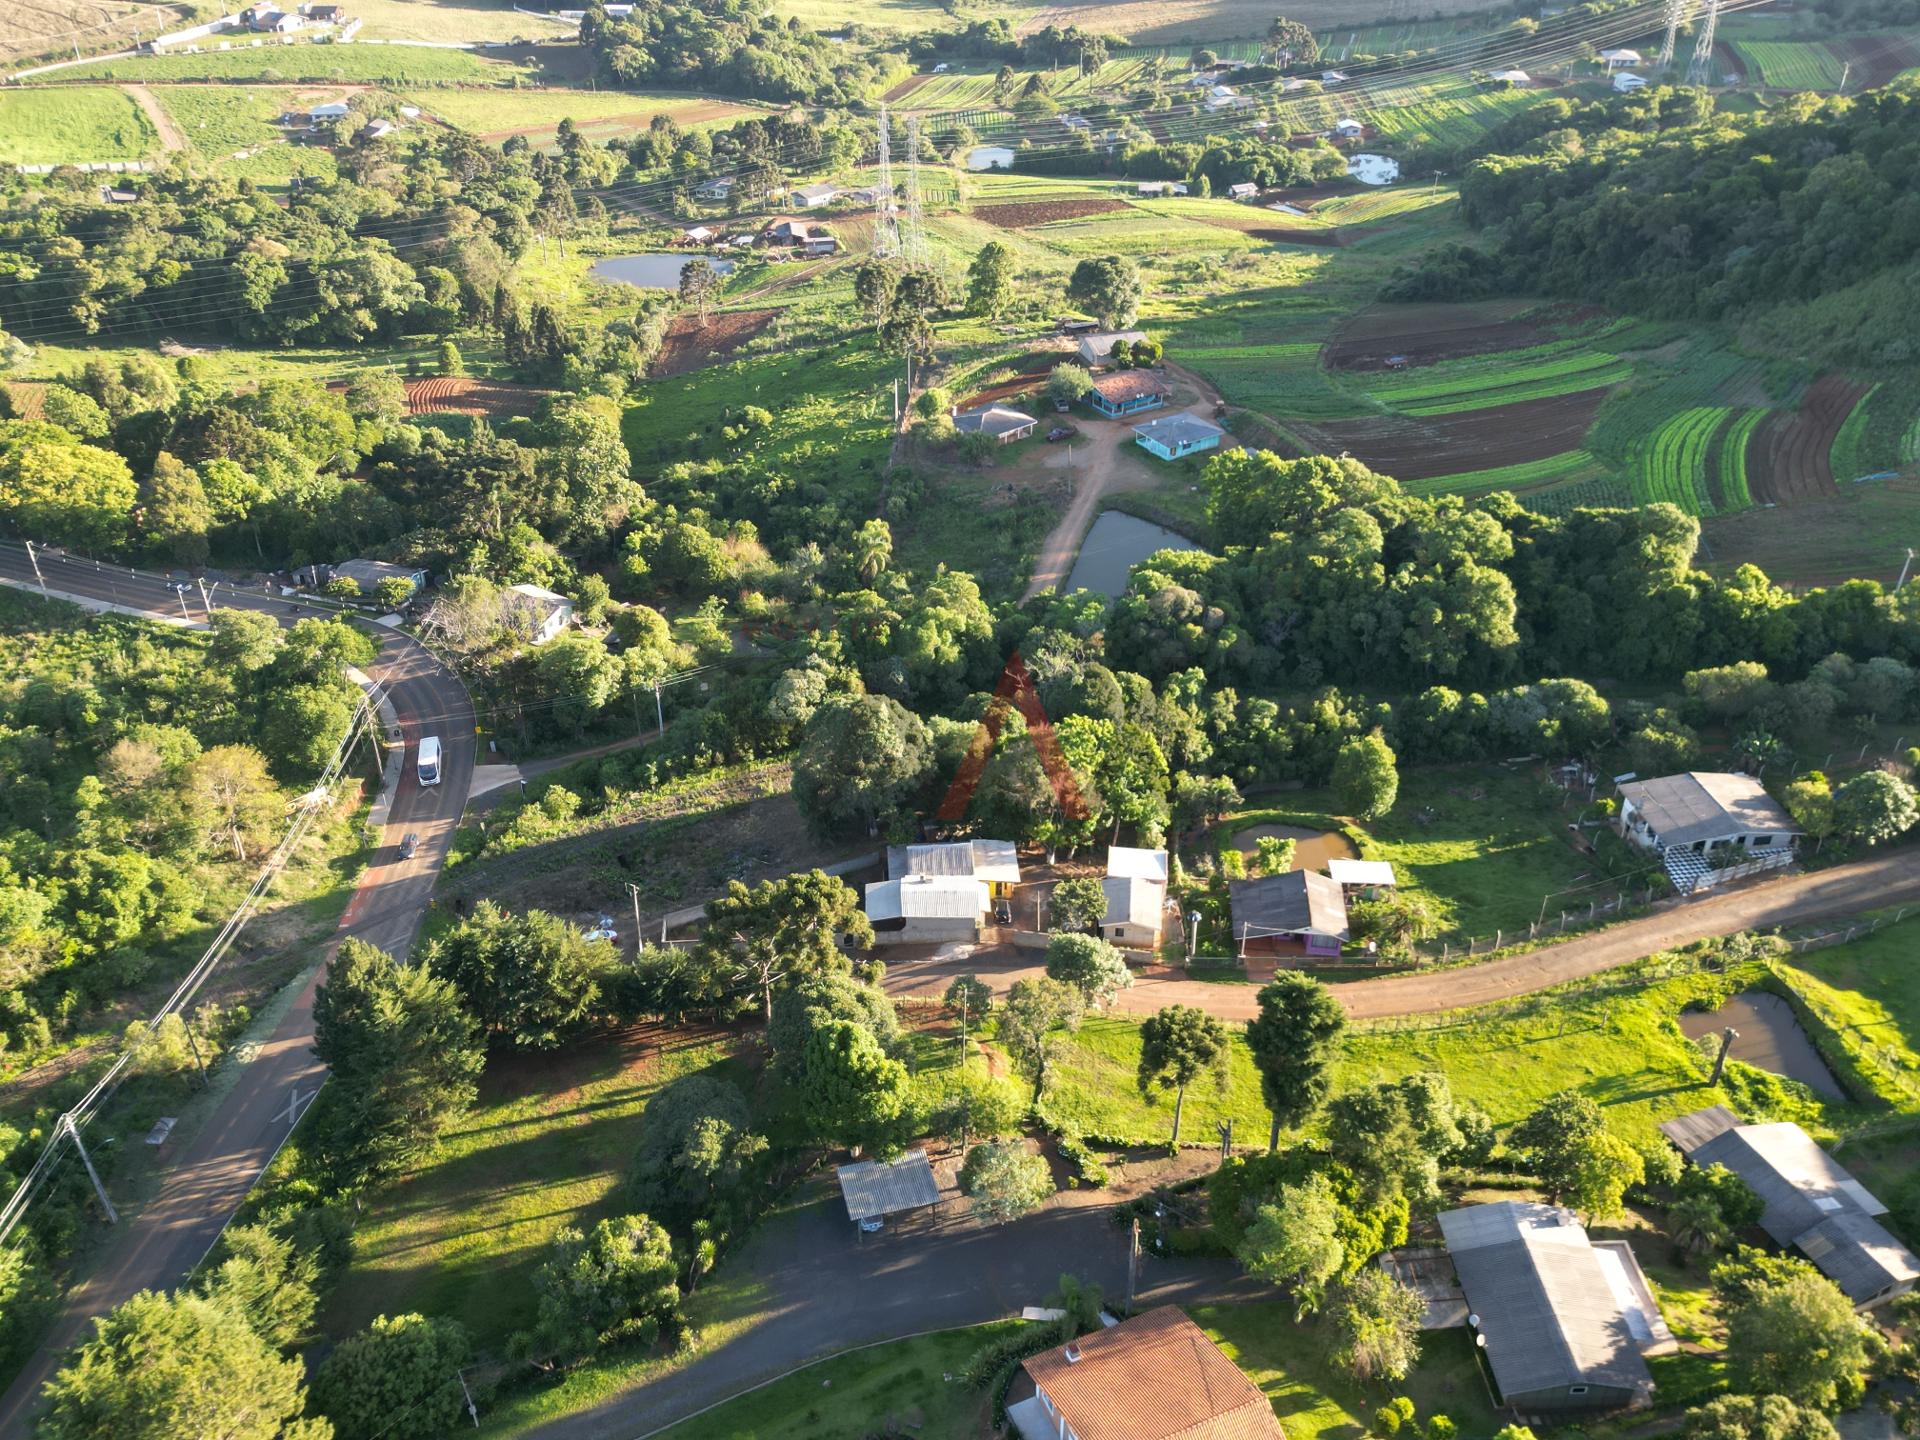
(1503, 379)
(1790, 64)
(1730, 461)
(1673, 465)
(1572, 467)
(1433, 117)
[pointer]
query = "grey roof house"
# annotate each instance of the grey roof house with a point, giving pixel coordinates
(1812, 1203)
(996, 422)
(1706, 826)
(1296, 906)
(1565, 1322)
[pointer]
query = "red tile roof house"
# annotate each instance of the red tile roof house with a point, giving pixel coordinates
(1154, 1377)
(1126, 391)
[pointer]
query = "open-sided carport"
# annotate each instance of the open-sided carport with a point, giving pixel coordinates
(876, 1189)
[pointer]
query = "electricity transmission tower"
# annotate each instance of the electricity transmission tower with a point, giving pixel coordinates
(913, 241)
(1700, 71)
(886, 227)
(1677, 12)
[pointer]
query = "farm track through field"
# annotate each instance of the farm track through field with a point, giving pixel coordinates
(1426, 333)
(1025, 214)
(1464, 440)
(1789, 457)
(170, 136)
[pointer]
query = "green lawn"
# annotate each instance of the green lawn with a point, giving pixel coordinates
(545, 1146)
(220, 119)
(454, 20)
(1623, 1049)
(1315, 1401)
(366, 64)
(1481, 843)
(864, 1393)
(72, 125)
(1869, 992)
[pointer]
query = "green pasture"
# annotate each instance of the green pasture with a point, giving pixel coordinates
(398, 65)
(220, 119)
(484, 112)
(72, 125)
(448, 21)
(1790, 64)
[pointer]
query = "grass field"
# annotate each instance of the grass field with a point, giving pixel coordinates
(547, 1142)
(899, 1383)
(220, 119)
(1170, 22)
(453, 20)
(72, 125)
(486, 113)
(1792, 64)
(347, 64)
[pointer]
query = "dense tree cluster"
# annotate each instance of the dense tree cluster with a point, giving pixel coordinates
(735, 47)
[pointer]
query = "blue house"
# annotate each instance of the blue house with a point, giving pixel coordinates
(1172, 436)
(1127, 392)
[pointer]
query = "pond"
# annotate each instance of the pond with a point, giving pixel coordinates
(1116, 543)
(987, 157)
(1312, 849)
(651, 272)
(1770, 1039)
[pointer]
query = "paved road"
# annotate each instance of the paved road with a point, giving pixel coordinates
(819, 1290)
(218, 1165)
(1871, 884)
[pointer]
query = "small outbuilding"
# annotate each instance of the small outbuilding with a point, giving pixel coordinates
(1127, 392)
(1097, 349)
(1364, 878)
(1297, 912)
(1625, 81)
(1245, 190)
(997, 422)
(542, 612)
(1136, 908)
(927, 909)
(811, 197)
(1172, 436)
(1621, 59)
(1348, 129)
(1517, 78)
(876, 1189)
(330, 110)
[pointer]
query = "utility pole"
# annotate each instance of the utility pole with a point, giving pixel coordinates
(635, 889)
(659, 711)
(73, 1134)
(180, 593)
(35, 560)
(206, 594)
(1904, 569)
(1727, 1037)
(473, 1410)
(1846, 70)
(1133, 1260)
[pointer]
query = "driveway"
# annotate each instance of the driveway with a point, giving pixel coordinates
(1852, 889)
(821, 1289)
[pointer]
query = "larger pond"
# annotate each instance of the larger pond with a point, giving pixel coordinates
(1770, 1039)
(1116, 543)
(651, 272)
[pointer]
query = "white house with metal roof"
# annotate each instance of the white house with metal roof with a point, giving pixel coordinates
(927, 909)
(997, 422)
(1812, 1203)
(1706, 825)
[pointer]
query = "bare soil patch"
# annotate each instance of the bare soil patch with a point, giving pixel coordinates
(29, 398)
(1426, 333)
(1787, 458)
(905, 88)
(1876, 59)
(1023, 215)
(469, 395)
(690, 346)
(1422, 449)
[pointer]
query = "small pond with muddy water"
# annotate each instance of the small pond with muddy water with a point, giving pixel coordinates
(1770, 1039)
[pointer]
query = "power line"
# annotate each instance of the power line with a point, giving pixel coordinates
(1700, 70)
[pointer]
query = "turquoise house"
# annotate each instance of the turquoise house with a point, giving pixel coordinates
(1127, 392)
(1172, 436)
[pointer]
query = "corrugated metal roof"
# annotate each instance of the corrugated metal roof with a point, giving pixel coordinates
(1288, 904)
(1549, 1314)
(1132, 901)
(1173, 431)
(1360, 872)
(873, 1187)
(1706, 805)
(1136, 863)
(927, 897)
(991, 860)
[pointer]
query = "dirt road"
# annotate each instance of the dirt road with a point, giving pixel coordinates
(170, 137)
(1891, 879)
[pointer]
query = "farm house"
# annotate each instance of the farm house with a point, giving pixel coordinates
(1127, 392)
(1097, 349)
(1627, 81)
(927, 909)
(1173, 436)
(996, 422)
(1296, 913)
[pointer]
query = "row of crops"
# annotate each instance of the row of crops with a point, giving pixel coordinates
(1570, 468)
(1504, 379)
(1791, 64)
(1672, 466)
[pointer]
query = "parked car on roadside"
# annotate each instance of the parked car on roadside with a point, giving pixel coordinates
(409, 844)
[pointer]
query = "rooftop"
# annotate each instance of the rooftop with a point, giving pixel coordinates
(1287, 904)
(993, 420)
(1124, 385)
(1553, 1313)
(1133, 901)
(927, 897)
(874, 1187)
(1135, 863)
(1101, 342)
(992, 860)
(1174, 431)
(1154, 1377)
(1360, 872)
(1705, 805)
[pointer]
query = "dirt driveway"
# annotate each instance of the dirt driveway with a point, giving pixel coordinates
(1892, 879)
(170, 136)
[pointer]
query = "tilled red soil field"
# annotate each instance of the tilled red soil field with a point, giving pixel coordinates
(29, 398)
(1022, 216)
(1422, 449)
(1425, 333)
(468, 395)
(689, 345)
(905, 88)
(1787, 458)
(1876, 59)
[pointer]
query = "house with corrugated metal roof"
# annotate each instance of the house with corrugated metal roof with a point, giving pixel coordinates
(1297, 912)
(1813, 1204)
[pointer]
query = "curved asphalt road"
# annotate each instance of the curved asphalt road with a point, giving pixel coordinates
(214, 1169)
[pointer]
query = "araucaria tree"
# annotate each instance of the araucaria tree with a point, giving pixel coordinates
(1177, 1046)
(1294, 1039)
(777, 931)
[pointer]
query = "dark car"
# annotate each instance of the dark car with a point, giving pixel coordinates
(1060, 432)
(409, 843)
